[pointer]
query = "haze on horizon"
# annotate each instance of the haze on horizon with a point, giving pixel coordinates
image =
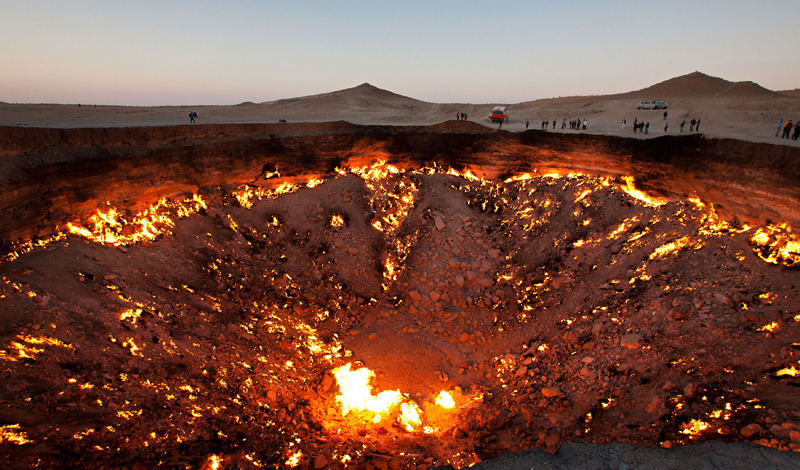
(204, 52)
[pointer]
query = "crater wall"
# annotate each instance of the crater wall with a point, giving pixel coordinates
(52, 176)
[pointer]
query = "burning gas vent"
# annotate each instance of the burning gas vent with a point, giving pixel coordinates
(389, 318)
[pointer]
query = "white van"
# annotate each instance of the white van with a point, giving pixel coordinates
(652, 105)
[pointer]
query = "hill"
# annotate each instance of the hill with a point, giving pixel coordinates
(699, 85)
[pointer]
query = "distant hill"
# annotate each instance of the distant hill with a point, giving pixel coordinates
(699, 85)
(794, 93)
(362, 96)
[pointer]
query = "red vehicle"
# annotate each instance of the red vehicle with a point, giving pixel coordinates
(499, 113)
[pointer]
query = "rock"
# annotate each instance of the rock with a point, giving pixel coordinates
(485, 282)
(587, 360)
(453, 263)
(373, 336)
(669, 386)
(630, 341)
(413, 310)
(415, 295)
(494, 253)
(327, 383)
(722, 298)
(460, 280)
(272, 395)
(443, 377)
(656, 406)
(750, 430)
(794, 436)
(320, 462)
(435, 296)
(381, 464)
(394, 464)
(521, 371)
(552, 442)
(439, 223)
(667, 444)
(464, 337)
(690, 390)
(471, 275)
(550, 392)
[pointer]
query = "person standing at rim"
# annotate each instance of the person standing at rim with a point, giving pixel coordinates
(692, 123)
(585, 123)
(780, 127)
(683, 123)
(666, 126)
(635, 124)
(665, 115)
(527, 123)
(697, 127)
(786, 129)
(623, 125)
(554, 124)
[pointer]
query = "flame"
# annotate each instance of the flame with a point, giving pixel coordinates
(791, 370)
(410, 415)
(11, 434)
(670, 248)
(639, 195)
(337, 221)
(694, 427)
(356, 392)
(769, 327)
(445, 400)
(110, 227)
(777, 244)
(294, 459)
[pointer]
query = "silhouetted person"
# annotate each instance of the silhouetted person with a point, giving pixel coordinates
(683, 123)
(796, 131)
(697, 127)
(691, 127)
(666, 126)
(647, 128)
(665, 115)
(635, 125)
(780, 127)
(787, 129)
(585, 123)
(527, 123)
(554, 124)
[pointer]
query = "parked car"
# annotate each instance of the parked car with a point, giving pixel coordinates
(499, 113)
(652, 105)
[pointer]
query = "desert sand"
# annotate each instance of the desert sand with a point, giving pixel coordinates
(738, 110)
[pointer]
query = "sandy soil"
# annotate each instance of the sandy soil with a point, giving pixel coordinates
(740, 110)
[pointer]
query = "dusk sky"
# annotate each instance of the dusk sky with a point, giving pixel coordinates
(212, 52)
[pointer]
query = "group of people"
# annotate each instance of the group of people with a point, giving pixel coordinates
(461, 116)
(192, 116)
(644, 127)
(576, 124)
(787, 129)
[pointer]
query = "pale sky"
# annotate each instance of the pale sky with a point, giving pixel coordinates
(165, 52)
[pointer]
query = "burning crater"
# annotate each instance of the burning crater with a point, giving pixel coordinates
(377, 306)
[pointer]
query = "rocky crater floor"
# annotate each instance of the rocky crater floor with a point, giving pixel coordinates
(384, 316)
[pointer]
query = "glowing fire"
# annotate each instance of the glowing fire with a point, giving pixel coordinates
(445, 400)
(109, 227)
(777, 244)
(356, 391)
(639, 195)
(410, 415)
(694, 427)
(11, 434)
